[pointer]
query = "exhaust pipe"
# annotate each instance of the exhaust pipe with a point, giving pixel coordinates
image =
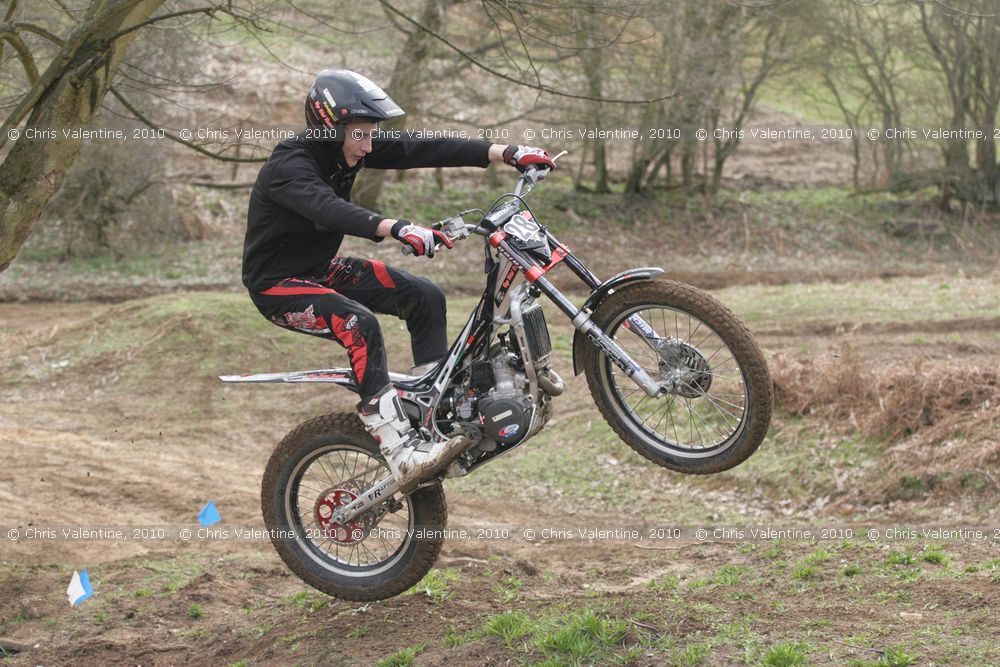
(550, 382)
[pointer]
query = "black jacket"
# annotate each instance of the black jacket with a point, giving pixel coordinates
(300, 207)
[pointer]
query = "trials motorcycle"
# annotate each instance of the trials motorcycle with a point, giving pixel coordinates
(676, 375)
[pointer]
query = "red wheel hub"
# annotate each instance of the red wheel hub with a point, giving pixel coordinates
(348, 533)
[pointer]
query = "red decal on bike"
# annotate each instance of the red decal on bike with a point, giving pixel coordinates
(557, 256)
(382, 273)
(349, 334)
(497, 238)
(471, 338)
(509, 277)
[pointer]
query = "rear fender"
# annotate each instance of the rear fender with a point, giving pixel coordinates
(600, 293)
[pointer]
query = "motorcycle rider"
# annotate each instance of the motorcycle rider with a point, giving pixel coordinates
(299, 213)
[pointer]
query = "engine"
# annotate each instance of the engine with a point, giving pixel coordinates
(506, 408)
(495, 397)
(498, 396)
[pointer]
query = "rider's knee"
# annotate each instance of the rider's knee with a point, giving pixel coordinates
(432, 297)
(367, 322)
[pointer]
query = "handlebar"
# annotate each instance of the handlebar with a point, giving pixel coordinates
(456, 228)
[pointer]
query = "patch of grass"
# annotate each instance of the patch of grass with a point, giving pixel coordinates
(817, 557)
(402, 658)
(508, 626)
(934, 553)
(666, 583)
(774, 551)
(507, 590)
(691, 655)
(899, 558)
(453, 639)
(730, 575)
(359, 632)
(142, 592)
(851, 570)
(581, 636)
(299, 599)
(785, 655)
(435, 584)
(172, 574)
(195, 610)
(893, 657)
(804, 572)
(18, 617)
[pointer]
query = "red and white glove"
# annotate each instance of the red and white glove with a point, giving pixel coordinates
(522, 157)
(421, 239)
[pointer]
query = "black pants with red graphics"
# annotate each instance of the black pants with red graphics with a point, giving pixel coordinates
(338, 301)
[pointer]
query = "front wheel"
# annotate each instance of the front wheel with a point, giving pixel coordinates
(324, 464)
(717, 405)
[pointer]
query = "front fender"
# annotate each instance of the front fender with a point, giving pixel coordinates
(599, 294)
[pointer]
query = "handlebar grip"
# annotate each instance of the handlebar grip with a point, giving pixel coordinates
(407, 250)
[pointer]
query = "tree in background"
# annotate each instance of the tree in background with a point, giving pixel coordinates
(65, 94)
(82, 52)
(963, 46)
(411, 76)
(718, 56)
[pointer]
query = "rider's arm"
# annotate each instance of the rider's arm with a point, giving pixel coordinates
(297, 185)
(415, 153)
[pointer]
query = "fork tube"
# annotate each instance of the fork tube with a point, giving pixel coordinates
(577, 267)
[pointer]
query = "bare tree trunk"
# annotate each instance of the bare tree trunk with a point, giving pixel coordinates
(593, 70)
(75, 84)
(405, 86)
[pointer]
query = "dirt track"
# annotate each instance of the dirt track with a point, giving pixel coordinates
(79, 451)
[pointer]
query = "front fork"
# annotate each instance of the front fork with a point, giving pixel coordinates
(582, 322)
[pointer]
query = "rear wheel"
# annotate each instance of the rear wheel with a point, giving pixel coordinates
(717, 407)
(324, 464)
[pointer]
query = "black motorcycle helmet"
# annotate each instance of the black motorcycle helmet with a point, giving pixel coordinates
(339, 96)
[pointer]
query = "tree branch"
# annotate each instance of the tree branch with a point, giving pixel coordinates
(539, 87)
(148, 123)
(12, 27)
(954, 11)
(30, 69)
(208, 11)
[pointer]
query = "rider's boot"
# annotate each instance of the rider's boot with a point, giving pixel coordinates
(411, 458)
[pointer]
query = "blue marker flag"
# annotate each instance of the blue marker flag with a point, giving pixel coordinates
(209, 515)
(79, 588)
